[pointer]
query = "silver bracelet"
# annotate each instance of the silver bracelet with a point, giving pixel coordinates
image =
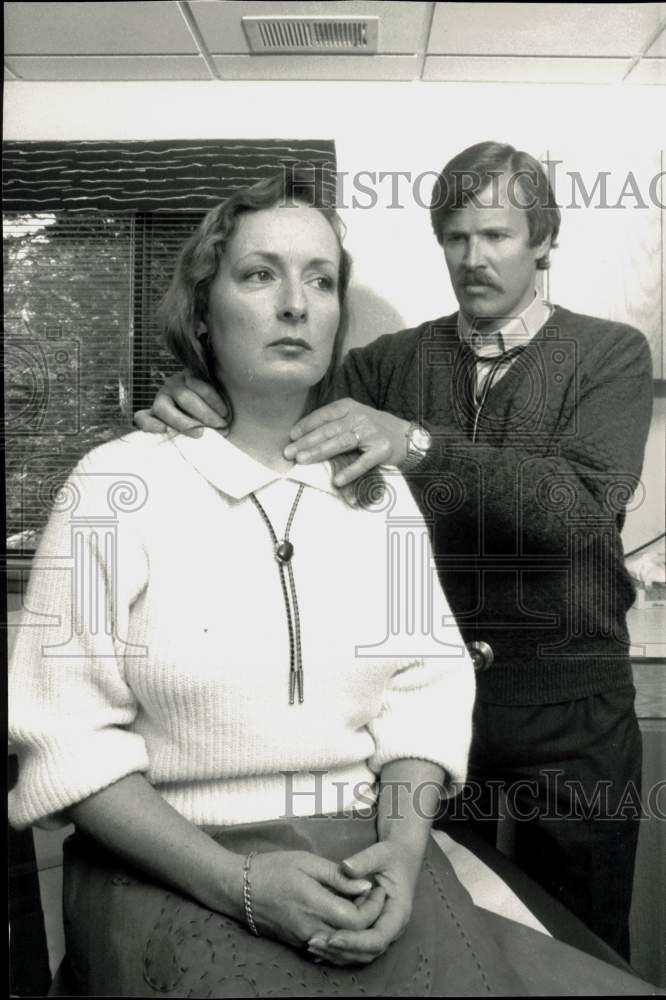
(247, 894)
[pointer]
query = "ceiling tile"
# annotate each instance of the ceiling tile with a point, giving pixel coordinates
(649, 71)
(121, 27)
(109, 67)
(400, 31)
(658, 47)
(549, 29)
(526, 69)
(317, 67)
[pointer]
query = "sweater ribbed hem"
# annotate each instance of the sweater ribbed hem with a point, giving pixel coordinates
(527, 682)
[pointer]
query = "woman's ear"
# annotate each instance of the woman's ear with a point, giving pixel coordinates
(202, 330)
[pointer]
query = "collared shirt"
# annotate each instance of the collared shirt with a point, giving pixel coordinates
(518, 331)
(234, 472)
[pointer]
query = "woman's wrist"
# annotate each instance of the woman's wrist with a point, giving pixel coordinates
(131, 819)
(409, 856)
(409, 797)
(218, 883)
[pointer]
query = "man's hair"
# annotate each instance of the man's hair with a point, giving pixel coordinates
(185, 305)
(479, 166)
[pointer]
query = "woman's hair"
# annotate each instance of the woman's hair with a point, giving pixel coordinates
(184, 308)
(473, 170)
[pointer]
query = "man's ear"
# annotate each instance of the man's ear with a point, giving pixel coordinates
(542, 249)
(202, 330)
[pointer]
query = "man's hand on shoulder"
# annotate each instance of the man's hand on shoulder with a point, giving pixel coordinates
(346, 426)
(185, 404)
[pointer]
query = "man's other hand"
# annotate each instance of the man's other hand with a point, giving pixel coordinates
(185, 404)
(346, 426)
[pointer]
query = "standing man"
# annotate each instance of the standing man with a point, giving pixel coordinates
(521, 427)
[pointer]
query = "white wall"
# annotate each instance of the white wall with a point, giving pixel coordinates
(377, 127)
(395, 127)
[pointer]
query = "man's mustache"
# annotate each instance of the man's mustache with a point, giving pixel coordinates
(478, 278)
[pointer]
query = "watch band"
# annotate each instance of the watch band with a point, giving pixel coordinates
(419, 443)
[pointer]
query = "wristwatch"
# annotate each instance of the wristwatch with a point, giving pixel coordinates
(419, 443)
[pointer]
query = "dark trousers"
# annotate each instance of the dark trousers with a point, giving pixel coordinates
(569, 777)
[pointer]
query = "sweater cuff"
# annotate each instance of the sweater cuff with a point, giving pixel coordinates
(436, 731)
(57, 777)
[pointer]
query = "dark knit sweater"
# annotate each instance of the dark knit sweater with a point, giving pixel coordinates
(526, 520)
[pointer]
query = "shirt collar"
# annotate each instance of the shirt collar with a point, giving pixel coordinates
(518, 331)
(236, 473)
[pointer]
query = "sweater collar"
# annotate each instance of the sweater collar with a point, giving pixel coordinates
(236, 473)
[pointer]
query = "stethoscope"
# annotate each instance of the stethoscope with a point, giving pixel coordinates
(498, 360)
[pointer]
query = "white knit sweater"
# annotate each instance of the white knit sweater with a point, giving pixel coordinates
(155, 640)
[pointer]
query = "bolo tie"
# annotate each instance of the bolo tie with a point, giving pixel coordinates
(489, 381)
(284, 551)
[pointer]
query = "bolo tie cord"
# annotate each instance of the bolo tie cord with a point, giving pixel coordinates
(284, 551)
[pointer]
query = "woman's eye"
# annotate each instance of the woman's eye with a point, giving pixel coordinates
(261, 276)
(323, 282)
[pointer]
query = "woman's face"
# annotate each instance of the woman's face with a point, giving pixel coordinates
(273, 309)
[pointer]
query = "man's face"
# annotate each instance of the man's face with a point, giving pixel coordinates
(491, 264)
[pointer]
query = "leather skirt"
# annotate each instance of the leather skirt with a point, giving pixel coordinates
(128, 936)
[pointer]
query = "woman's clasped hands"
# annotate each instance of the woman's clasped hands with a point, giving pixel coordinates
(345, 914)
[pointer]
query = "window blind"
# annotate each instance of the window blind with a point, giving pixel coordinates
(157, 239)
(67, 287)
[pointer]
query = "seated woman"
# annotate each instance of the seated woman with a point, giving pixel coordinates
(246, 692)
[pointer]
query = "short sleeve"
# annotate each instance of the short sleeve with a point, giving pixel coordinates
(69, 704)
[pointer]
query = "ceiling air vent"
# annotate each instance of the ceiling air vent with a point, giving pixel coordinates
(312, 35)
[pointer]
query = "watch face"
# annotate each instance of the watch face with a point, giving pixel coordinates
(420, 439)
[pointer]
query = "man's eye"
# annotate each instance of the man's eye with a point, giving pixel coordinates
(496, 237)
(453, 238)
